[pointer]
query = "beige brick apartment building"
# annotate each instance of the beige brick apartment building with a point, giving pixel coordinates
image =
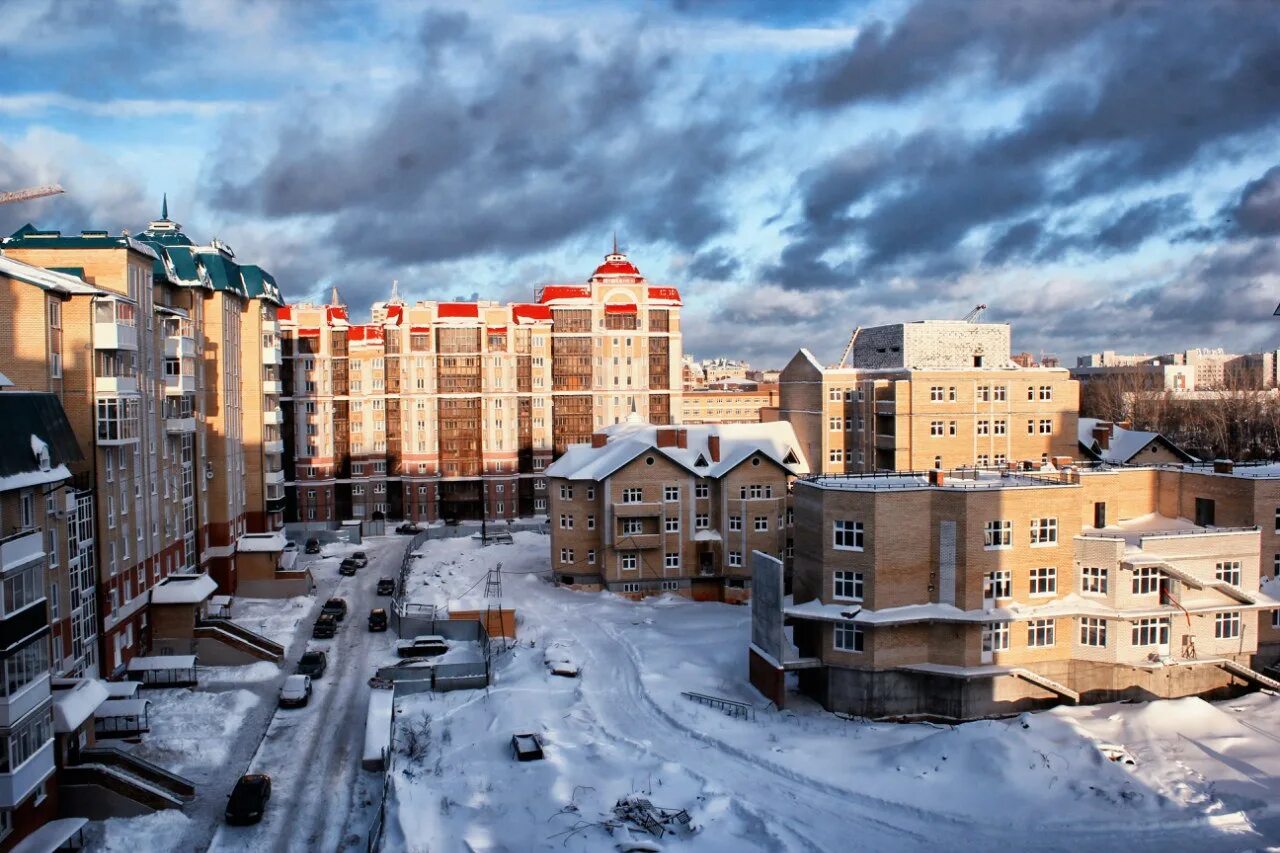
(961, 594)
(647, 509)
(928, 395)
(733, 404)
(453, 410)
(145, 344)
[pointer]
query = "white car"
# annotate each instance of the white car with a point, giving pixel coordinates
(296, 691)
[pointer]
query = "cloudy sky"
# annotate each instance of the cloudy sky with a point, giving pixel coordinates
(1100, 174)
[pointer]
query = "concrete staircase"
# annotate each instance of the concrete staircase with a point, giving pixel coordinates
(122, 783)
(154, 774)
(1047, 683)
(239, 638)
(1248, 674)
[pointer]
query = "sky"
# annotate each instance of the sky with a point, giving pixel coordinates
(1102, 175)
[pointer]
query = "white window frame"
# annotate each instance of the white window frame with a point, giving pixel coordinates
(1044, 532)
(848, 637)
(1094, 580)
(1043, 581)
(997, 535)
(1041, 633)
(1093, 632)
(846, 585)
(847, 535)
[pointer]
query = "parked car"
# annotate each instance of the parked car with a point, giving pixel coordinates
(326, 627)
(425, 646)
(313, 664)
(313, 546)
(335, 607)
(386, 586)
(408, 528)
(290, 545)
(377, 619)
(248, 799)
(361, 558)
(296, 691)
(348, 567)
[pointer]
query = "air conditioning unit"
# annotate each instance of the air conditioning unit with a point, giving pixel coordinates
(66, 507)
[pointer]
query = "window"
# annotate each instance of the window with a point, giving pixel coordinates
(997, 585)
(735, 558)
(1044, 531)
(951, 394)
(1040, 633)
(1146, 580)
(847, 585)
(1226, 626)
(671, 493)
(566, 522)
(951, 428)
(835, 455)
(1205, 512)
(837, 424)
(1000, 393)
(702, 490)
(1228, 572)
(1046, 427)
(671, 525)
(628, 561)
(984, 427)
(671, 561)
(1031, 426)
(935, 393)
(566, 493)
(632, 496)
(984, 393)
(735, 522)
(1093, 632)
(936, 427)
(1150, 632)
(834, 395)
(999, 427)
(591, 556)
(631, 587)
(1044, 581)
(591, 490)
(997, 534)
(1046, 392)
(701, 521)
(566, 555)
(632, 526)
(846, 535)
(1093, 580)
(591, 522)
(761, 523)
(848, 637)
(1100, 514)
(995, 637)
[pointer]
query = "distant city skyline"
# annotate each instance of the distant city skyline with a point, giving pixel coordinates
(1101, 174)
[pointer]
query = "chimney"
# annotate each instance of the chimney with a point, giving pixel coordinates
(1125, 424)
(682, 439)
(599, 439)
(1223, 466)
(713, 447)
(666, 438)
(1102, 434)
(937, 477)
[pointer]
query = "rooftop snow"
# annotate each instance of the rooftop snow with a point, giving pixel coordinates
(967, 478)
(43, 278)
(155, 662)
(262, 542)
(73, 706)
(184, 589)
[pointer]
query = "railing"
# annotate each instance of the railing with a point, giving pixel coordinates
(729, 706)
(961, 478)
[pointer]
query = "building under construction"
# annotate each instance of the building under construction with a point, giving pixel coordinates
(452, 410)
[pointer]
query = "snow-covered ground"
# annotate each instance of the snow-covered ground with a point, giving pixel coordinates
(1204, 776)
(277, 619)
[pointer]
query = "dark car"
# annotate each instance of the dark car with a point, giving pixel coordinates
(377, 619)
(248, 799)
(348, 567)
(326, 627)
(409, 528)
(361, 558)
(386, 586)
(335, 607)
(313, 664)
(313, 546)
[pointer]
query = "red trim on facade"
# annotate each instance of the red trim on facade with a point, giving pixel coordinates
(395, 313)
(564, 291)
(285, 313)
(465, 310)
(530, 312)
(419, 330)
(308, 333)
(628, 308)
(335, 312)
(665, 293)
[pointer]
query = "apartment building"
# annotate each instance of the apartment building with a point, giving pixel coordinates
(1196, 369)
(646, 509)
(453, 410)
(931, 394)
(728, 405)
(38, 534)
(150, 369)
(967, 593)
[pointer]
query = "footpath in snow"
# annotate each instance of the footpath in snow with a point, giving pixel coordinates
(1201, 775)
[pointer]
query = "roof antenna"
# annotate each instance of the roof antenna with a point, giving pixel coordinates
(395, 290)
(615, 241)
(333, 296)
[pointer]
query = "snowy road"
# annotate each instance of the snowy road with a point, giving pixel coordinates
(321, 799)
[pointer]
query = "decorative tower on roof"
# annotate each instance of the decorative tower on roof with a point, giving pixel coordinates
(164, 225)
(616, 267)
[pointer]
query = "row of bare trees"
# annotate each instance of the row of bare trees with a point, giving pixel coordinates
(1233, 422)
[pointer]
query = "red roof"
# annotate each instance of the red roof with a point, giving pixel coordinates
(564, 291)
(530, 312)
(364, 333)
(628, 308)
(497, 330)
(616, 265)
(664, 293)
(395, 313)
(284, 312)
(308, 333)
(335, 312)
(458, 309)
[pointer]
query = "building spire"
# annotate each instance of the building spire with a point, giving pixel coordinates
(333, 296)
(615, 241)
(395, 290)
(164, 207)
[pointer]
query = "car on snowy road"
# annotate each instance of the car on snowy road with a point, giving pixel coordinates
(326, 627)
(408, 529)
(313, 546)
(248, 799)
(295, 692)
(335, 607)
(348, 567)
(377, 619)
(386, 586)
(360, 558)
(313, 664)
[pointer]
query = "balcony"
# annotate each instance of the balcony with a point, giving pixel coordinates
(276, 446)
(179, 346)
(180, 426)
(273, 477)
(115, 384)
(17, 705)
(275, 492)
(20, 549)
(886, 407)
(178, 384)
(652, 509)
(270, 326)
(273, 416)
(271, 355)
(114, 334)
(886, 442)
(272, 387)
(18, 785)
(117, 420)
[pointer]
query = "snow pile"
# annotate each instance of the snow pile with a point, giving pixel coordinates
(277, 619)
(153, 833)
(192, 730)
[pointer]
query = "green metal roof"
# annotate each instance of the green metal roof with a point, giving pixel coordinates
(28, 237)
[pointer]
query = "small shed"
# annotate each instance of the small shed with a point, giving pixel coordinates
(74, 703)
(122, 718)
(264, 569)
(220, 607)
(63, 834)
(164, 671)
(377, 729)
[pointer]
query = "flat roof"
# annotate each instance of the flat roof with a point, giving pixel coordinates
(957, 479)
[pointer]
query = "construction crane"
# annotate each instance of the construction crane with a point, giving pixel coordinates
(848, 348)
(975, 315)
(30, 193)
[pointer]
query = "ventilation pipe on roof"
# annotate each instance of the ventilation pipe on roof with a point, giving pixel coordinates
(1223, 466)
(599, 439)
(713, 447)
(1102, 434)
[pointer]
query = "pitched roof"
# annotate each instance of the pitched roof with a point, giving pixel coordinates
(56, 281)
(1125, 444)
(738, 442)
(33, 424)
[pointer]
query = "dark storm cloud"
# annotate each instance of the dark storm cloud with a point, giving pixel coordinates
(714, 264)
(1258, 211)
(535, 142)
(1170, 84)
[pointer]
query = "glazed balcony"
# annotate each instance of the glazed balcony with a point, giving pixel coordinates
(271, 355)
(272, 387)
(270, 446)
(273, 416)
(21, 548)
(179, 384)
(17, 785)
(117, 420)
(115, 324)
